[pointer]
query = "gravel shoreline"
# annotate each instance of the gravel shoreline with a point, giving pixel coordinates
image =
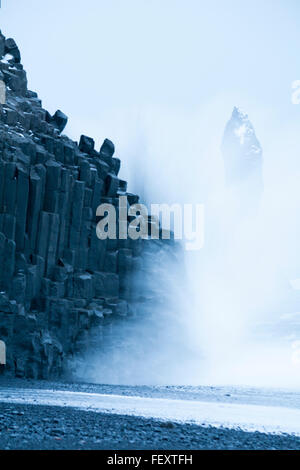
(39, 427)
(34, 427)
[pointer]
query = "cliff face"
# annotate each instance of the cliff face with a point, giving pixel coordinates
(58, 281)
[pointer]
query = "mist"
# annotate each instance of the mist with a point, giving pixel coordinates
(230, 316)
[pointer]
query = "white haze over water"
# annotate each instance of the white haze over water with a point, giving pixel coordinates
(161, 79)
(239, 282)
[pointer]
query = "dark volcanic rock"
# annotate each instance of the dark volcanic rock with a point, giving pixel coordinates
(86, 144)
(107, 148)
(57, 279)
(12, 49)
(60, 120)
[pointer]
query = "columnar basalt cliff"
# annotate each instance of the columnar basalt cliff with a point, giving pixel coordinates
(58, 280)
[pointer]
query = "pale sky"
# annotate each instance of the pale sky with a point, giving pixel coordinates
(160, 77)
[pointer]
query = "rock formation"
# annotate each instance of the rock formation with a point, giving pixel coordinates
(242, 154)
(57, 279)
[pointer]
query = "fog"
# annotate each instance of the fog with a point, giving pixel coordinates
(231, 315)
(161, 79)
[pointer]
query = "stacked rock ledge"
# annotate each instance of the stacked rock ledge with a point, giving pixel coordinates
(58, 281)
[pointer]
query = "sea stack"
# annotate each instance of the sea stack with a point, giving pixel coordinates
(242, 155)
